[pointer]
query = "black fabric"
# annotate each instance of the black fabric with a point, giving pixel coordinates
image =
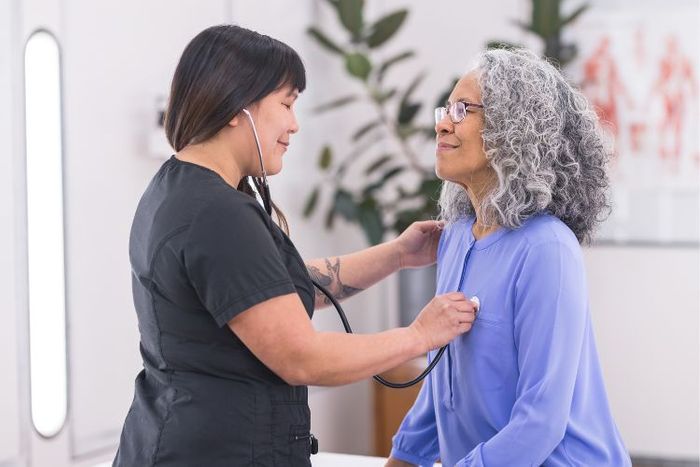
(201, 252)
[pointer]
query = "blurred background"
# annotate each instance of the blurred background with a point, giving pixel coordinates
(82, 88)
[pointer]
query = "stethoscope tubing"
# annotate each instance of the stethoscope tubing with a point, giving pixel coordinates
(348, 329)
(264, 192)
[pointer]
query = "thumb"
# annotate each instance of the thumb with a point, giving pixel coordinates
(430, 226)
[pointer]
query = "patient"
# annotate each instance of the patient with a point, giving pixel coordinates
(524, 169)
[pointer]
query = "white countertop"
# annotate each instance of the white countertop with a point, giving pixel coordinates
(332, 459)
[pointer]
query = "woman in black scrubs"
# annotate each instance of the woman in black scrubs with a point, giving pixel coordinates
(223, 298)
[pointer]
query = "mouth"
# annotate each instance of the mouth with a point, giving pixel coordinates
(442, 147)
(284, 144)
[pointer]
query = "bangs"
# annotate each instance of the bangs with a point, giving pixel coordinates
(291, 70)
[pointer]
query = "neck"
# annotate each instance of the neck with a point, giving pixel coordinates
(482, 230)
(476, 192)
(214, 156)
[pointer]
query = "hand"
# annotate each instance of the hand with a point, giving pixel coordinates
(444, 318)
(394, 462)
(417, 245)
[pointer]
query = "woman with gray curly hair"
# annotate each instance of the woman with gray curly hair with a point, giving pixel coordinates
(524, 169)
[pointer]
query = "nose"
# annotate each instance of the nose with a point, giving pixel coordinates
(444, 126)
(295, 124)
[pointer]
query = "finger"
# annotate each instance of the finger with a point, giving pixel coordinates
(464, 306)
(464, 327)
(465, 316)
(455, 296)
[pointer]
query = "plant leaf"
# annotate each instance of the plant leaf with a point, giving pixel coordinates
(386, 27)
(528, 28)
(330, 218)
(392, 61)
(358, 65)
(444, 97)
(365, 129)
(378, 163)
(335, 103)
(381, 97)
(405, 218)
(324, 160)
(392, 173)
(322, 39)
(499, 44)
(414, 84)
(372, 187)
(350, 12)
(311, 202)
(407, 112)
(430, 188)
(370, 219)
(345, 205)
(577, 12)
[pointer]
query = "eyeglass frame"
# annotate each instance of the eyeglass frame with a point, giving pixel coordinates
(448, 113)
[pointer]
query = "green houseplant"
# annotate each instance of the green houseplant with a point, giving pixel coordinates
(381, 150)
(548, 23)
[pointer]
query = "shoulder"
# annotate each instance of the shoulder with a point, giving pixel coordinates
(545, 243)
(456, 229)
(545, 230)
(548, 246)
(230, 204)
(453, 233)
(229, 212)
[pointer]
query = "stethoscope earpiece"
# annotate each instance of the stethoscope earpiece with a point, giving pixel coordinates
(262, 187)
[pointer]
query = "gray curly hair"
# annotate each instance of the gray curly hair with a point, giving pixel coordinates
(543, 141)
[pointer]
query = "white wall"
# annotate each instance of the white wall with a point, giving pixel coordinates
(12, 405)
(119, 56)
(644, 303)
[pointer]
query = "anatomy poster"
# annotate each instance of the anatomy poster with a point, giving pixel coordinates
(638, 66)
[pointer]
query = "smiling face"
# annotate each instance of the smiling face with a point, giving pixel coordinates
(275, 122)
(460, 156)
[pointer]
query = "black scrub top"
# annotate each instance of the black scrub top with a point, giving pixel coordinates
(201, 252)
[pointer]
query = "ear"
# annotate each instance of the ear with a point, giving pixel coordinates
(235, 121)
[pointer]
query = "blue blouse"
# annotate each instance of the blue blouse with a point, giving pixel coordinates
(524, 386)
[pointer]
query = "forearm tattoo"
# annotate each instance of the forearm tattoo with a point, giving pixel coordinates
(331, 281)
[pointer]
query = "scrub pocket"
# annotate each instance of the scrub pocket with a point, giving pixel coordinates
(291, 432)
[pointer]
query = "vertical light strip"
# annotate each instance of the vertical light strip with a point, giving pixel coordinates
(47, 314)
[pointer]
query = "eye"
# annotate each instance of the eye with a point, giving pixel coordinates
(289, 106)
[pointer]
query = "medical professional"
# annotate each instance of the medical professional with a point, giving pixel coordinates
(524, 169)
(222, 296)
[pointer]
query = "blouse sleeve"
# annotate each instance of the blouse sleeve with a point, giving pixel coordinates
(416, 441)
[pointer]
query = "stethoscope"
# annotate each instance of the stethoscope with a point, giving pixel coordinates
(263, 190)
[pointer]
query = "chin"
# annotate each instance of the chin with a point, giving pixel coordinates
(274, 169)
(438, 174)
(442, 173)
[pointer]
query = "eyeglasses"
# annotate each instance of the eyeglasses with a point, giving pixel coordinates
(457, 111)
